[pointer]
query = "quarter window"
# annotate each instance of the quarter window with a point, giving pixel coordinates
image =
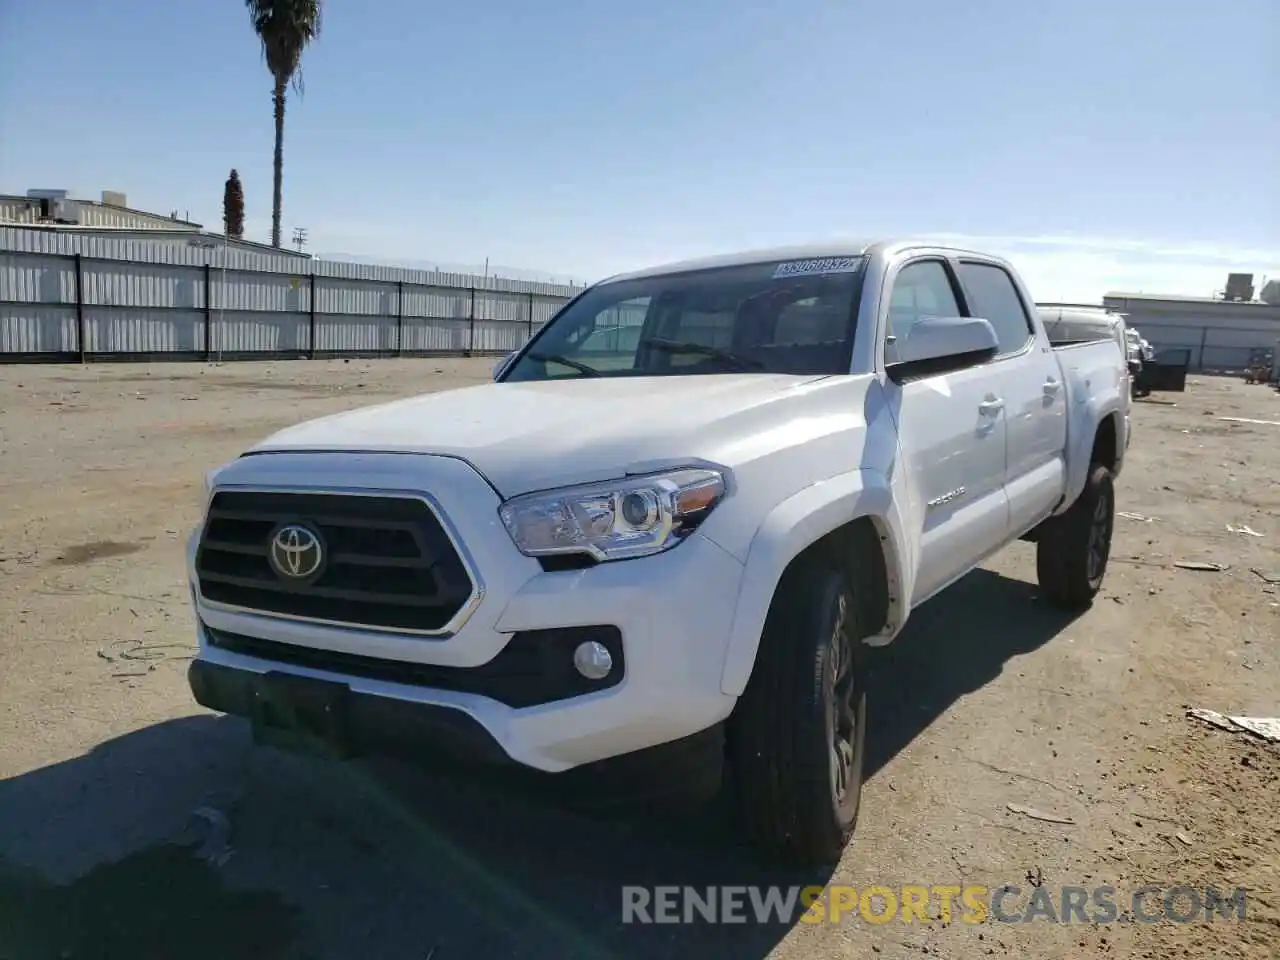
(993, 297)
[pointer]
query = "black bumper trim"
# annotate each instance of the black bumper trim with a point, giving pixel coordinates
(535, 667)
(373, 725)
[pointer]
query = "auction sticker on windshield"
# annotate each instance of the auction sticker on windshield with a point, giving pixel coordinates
(805, 268)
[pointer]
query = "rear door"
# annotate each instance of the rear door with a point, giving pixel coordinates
(951, 435)
(1033, 392)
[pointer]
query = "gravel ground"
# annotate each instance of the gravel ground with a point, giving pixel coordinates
(988, 699)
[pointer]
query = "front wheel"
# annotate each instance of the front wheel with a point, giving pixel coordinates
(799, 732)
(1072, 552)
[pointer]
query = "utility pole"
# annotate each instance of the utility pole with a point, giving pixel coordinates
(299, 237)
(208, 244)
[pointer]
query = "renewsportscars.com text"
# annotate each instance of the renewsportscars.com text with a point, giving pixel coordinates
(969, 903)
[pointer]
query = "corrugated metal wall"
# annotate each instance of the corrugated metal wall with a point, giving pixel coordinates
(97, 215)
(137, 298)
(205, 244)
(1209, 347)
(1218, 335)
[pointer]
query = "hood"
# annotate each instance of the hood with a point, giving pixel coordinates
(538, 435)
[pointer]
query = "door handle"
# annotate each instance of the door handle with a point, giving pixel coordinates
(991, 406)
(1051, 386)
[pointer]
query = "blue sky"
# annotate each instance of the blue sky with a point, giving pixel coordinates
(1133, 144)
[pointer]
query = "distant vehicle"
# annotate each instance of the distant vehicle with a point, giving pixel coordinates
(669, 549)
(1138, 357)
(1260, 366)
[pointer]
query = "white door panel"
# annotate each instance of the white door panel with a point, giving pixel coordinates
(952, 434)
(1036, 399)
(1030, 491)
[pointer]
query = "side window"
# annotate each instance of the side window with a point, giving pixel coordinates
(921, 289)
(993, 297)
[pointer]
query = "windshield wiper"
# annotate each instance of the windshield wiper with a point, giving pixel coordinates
(565, 361)
(688, 346)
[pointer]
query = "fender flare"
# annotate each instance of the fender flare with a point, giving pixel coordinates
(1080, 445)
(794, 524)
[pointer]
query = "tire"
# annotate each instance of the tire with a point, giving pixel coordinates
(1072, 553)
(800, 804)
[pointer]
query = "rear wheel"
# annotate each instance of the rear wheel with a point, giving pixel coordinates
(1072, 552)
(799, 732)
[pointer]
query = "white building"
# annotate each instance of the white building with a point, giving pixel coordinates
(1217, 333)
(55, 212)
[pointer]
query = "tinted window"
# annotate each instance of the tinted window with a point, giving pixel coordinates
(792, 317)
(921, 289)
(993, 297)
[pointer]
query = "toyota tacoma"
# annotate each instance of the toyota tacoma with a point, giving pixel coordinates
(669, 530)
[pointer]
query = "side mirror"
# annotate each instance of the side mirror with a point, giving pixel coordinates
(502, 364)
(938, 344)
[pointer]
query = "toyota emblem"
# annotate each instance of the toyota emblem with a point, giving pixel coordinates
(296, 552)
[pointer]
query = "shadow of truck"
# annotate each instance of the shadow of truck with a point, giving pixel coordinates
(385, 860)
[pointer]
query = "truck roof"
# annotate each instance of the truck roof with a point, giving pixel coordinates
(808, 251)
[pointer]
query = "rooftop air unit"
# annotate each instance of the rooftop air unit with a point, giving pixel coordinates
(54, 206)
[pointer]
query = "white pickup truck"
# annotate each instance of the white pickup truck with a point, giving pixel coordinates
(670, 529)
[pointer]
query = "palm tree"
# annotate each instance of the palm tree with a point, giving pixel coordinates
(286, 28)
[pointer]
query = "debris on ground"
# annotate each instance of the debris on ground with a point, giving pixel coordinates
(150, 652)
(1207, 565)
(216, 848)
(1247, 530)
(1218, 720)
(1268, 728)
(1141, 518)
(1265, 423)
(1035, 814)
(1183, 839)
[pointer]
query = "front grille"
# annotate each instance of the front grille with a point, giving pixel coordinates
(535, 667)
(384, 562)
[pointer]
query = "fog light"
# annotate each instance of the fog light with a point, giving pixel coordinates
(593, 660)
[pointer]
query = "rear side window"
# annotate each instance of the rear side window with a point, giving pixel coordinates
(993, 297)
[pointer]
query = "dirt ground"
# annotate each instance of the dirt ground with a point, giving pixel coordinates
(988, 699)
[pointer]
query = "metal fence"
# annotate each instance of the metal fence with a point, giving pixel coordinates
(152, 303)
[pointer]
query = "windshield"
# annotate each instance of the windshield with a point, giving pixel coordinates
(793, 317)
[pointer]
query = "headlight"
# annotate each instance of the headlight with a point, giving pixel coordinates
(618, 520)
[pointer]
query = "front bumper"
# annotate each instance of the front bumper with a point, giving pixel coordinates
(673, 612)
(369, 724)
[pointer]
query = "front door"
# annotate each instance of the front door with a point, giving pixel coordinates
(951, 437)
